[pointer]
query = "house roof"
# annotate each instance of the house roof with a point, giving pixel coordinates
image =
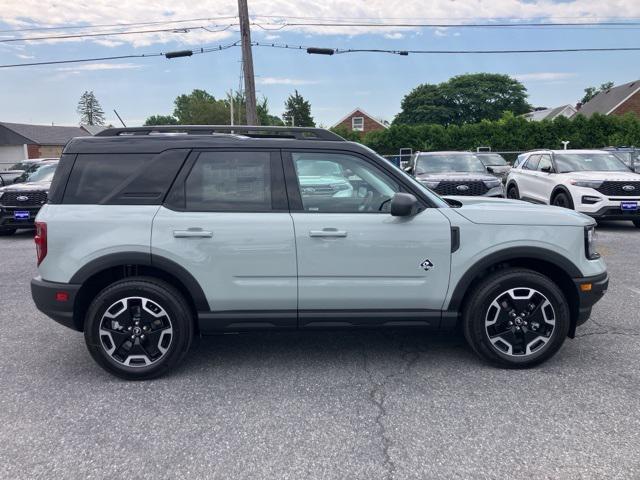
(549, 113)
(45, 134)
(93, 129)
(607, 101)
(377, 120)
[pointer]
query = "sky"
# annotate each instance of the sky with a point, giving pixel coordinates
(334, 85)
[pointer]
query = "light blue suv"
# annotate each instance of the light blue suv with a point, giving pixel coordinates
(153, 235)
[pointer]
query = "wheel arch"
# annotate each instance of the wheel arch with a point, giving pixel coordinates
(102, 271)
(557, 268)
(561, 189)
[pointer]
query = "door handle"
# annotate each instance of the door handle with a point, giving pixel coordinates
(328, 232)
(192, 233)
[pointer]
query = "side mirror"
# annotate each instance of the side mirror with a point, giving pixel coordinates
(547, 169)
(490, 170)
(404, 205)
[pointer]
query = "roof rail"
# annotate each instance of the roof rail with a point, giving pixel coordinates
(299, 133)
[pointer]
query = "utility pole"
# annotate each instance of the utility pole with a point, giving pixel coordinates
(247, 63)
(231, 105)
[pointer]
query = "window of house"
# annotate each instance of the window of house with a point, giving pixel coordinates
(357, 124)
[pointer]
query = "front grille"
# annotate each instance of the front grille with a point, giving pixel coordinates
(617, 188)
(451, 188)
(32, 199)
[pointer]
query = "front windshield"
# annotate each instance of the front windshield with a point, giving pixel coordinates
(454, 162)
(492, 159)
(315, 168)
(585, 162)
(44, 173)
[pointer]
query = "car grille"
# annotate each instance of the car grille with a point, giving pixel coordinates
(32, 199)
(451, 188)
(617, 188)
(318, 190)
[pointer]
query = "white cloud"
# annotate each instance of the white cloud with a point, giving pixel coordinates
(91, 67)
(24, 57)
(271, 36)
(544, 76)
(394, 36)
(441, 32)
(284, 81)
(26, 13)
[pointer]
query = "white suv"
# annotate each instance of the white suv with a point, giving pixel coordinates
(593, 182)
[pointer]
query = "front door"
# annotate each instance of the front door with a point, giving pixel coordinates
(357, 264)
(226, 221)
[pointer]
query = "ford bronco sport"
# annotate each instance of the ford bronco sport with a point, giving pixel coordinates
(156, 234)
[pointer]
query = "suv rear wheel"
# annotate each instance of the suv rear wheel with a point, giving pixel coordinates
(138, 328)
(516, 318)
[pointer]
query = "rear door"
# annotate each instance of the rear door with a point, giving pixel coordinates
(358, 265)
(226, 221)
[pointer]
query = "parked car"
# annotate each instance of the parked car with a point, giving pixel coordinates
(8, 176)
(319, 177)
(454, 173)
(495, 164)
(148, 240)
(21, 201)
(594, 182)
(630, 156)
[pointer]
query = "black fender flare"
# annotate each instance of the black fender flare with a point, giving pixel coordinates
(501, 256)
(146, 259)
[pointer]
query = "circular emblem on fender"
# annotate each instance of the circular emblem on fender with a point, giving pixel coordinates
(22, 198)
(462, 188)
(628, 188)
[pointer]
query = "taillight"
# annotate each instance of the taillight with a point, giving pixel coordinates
(41, 241)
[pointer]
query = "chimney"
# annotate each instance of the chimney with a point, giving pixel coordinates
(578, 106)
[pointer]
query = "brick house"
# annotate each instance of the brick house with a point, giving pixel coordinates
(19, 141)
(615, 101)
(360, 121)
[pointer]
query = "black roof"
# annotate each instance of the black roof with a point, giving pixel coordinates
(39, 134)
(158, 139)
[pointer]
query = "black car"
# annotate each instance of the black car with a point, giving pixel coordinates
(20, 202)
(454, 173)
(496, 164)
(10, 175)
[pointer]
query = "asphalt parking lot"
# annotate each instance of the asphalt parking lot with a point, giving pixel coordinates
(365, 405)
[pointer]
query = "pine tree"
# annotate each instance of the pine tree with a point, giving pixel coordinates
(90, 111)
(297, 111)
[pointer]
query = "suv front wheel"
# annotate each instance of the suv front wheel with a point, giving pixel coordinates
(138, 328)
(516, 318)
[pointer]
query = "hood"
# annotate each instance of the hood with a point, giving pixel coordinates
(321, 180)
(500, 211)
(609, 176)
(26, 187)
(455, 176)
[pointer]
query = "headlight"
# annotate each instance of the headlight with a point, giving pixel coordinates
(589, 242)
(493, 183)
(430, 183)
(586, 183)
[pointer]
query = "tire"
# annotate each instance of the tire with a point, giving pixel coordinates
(6, 232)
(143, 350)
(562, 200)
(513, 192)
(636, 223)
(531, 339)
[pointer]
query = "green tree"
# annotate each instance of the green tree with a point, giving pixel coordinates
(90, 111)
(464, 99)
(161, 120)
(201, 108)
(591, 92)
(297, 111)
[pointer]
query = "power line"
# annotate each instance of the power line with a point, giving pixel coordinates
(137, 24)
(108, 34)
(123, 57)
(336, 51)
(447, 25)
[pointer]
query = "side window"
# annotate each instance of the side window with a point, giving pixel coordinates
(230, 181)
(342, 183)
(532, 163)
(357, 124)
(96, 176)
(545, 163)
